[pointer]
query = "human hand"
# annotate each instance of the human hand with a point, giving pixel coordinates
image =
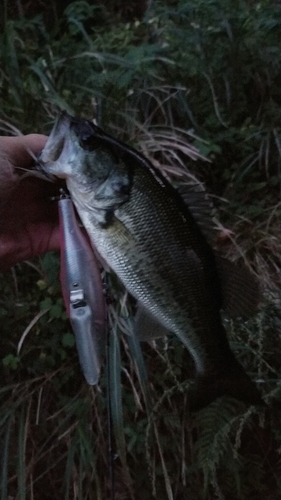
(28, 220)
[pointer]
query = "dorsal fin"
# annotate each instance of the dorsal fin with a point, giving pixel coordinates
(200, 206)
(240, 288)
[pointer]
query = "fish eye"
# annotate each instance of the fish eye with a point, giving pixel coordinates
(120, 187)
(84, 132)
(85, 135)
(85, 141)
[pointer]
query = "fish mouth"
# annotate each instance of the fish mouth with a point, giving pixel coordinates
(60, 136)
(56, 140)
(60, 147)
(47, 159)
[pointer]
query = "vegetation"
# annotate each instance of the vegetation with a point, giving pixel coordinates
(195, 86)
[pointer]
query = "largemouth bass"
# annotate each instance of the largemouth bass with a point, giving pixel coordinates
(146, 234)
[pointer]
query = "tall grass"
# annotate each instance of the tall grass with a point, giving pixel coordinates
(206, 114)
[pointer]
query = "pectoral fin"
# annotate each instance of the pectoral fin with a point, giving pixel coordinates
(147, 327)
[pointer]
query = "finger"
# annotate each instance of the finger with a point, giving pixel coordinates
(36, 241)
(17, 149)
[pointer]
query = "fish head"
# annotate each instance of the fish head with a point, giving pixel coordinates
(78, 152)
(65, 153)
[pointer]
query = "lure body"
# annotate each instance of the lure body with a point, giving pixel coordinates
(82, 289)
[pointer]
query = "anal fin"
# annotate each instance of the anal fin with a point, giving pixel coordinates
(147, 327)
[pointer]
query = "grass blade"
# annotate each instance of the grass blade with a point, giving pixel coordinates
(23, 419)
(137, 356)
(115, 400)
(5, 457)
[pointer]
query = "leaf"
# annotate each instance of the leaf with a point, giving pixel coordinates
(46, 304)
(56, 311)
(11, 361)
(68, 340)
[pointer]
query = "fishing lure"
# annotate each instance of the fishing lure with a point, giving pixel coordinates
(82, 290)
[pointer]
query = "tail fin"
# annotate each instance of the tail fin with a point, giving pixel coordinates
(235, 384)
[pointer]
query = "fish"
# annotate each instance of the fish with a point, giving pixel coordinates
(146, 233)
